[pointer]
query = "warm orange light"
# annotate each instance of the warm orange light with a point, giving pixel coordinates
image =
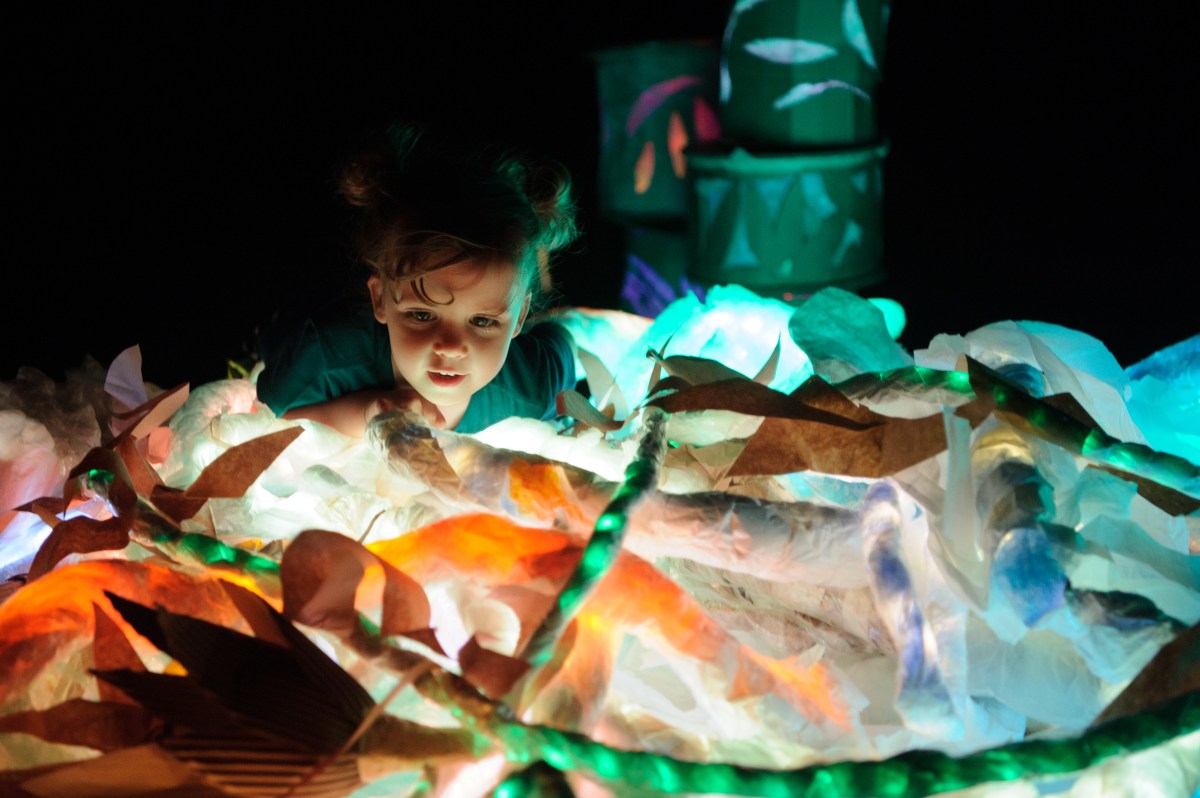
(481, 546)
(51, 619)
(541, 489)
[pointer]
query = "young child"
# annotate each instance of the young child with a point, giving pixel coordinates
(458, 246)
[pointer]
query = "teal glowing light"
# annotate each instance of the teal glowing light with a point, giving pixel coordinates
(894, 316)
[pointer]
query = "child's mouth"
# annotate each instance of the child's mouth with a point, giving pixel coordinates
(444, 380)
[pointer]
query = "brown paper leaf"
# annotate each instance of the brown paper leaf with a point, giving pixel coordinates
(320, 574)
(493, 673)
(142, 476)
(572, 403)
(426, 637)
(47, 508)
(782, 446)
(111, 650)
(815, 400)
(152, 413)
(103, 725)
(232, 474)
(1174, 671)
(175, 503)
(815, 428)
(143, 770)
(254, 609)
(79, 535)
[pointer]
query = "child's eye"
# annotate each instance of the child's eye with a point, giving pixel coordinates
(483, 321)
(419, 316)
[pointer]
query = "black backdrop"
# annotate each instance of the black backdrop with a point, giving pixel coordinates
(168, 167)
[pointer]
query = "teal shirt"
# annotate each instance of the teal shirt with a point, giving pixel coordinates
(341, 349)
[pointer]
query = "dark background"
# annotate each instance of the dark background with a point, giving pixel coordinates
(168, 168)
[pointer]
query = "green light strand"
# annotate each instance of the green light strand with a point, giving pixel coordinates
(908, 775)
(216, 554)
(98, 479)
(918, 380)
(1056, 426)
(641, 477)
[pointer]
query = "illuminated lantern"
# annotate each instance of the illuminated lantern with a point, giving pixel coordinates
(792, 199)
(656, 99)
(783, 225)
(802, 73)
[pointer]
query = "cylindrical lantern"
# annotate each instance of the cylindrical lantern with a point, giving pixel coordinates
(802, 73)
(656, 99)
(781, 225)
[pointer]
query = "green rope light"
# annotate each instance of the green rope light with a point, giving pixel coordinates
(1060, 428)
(641, 477)
(212, 552)
(909, 775)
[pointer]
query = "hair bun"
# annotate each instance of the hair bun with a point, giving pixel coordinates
(547, 184)
(363, 180)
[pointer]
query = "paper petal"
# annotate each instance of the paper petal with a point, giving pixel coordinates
(650, 100)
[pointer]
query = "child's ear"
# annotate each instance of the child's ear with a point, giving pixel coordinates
(524, 313)
(375, 288)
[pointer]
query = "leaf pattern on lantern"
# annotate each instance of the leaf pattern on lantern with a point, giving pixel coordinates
(643, 170)
(852, 236)
(856, 33)
(790, 51)
(739, 8)
(806, 91)
(677, 139)
(704, 120)
(649, 100)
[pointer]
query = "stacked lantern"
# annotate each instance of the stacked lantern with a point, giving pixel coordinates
(792, 199)
(781, 190)
(657, 99)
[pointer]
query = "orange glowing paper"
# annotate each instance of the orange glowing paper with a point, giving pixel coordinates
(541, 490)
(635, 595)
(51, 620)
(481, 546)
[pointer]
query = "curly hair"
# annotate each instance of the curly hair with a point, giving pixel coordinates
(427, 204)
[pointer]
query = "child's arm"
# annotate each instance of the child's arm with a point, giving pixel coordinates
(350, 413)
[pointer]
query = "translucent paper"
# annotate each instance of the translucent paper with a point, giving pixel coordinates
(973, 580)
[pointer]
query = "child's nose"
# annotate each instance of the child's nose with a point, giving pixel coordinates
(450, 343)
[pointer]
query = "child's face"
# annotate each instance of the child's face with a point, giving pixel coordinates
(447, 352)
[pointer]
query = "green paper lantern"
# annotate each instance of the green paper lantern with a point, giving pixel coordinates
(656, 99)
(783, 225)
(802, 73)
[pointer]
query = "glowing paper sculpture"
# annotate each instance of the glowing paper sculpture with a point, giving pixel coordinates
(754, 578)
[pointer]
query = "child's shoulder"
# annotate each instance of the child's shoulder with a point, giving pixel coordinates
(546, 338)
